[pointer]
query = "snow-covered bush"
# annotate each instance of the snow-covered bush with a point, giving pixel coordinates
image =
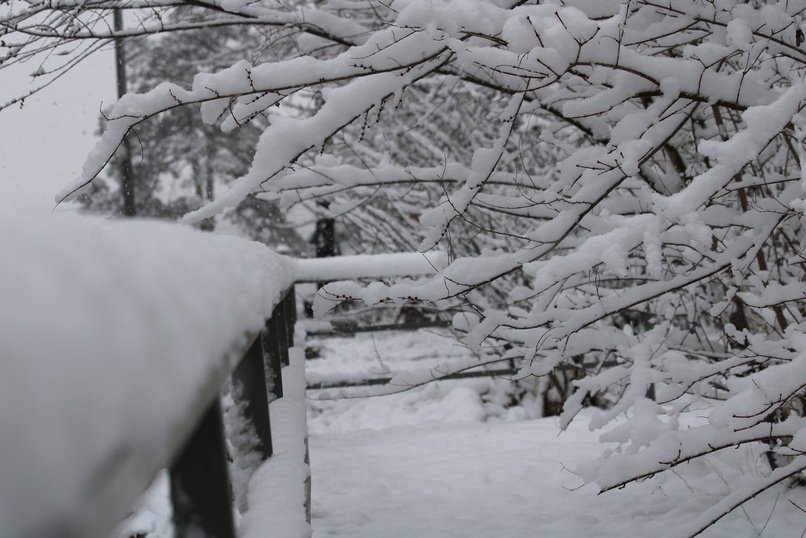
(617, 182)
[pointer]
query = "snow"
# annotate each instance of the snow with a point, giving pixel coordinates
(370, 266)
(287, 138)
(507, 479)
(762, 124)
(109, 332)
(455, 458)
(277, 495)
(680, 109)
(466, 476)
(383, 354)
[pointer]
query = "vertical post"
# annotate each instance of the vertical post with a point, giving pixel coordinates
(277, 344)
(324, 237)
(250, 383)
(290, 305)
(126, 173)
(324, 242)
(273, 349)
(200, 486)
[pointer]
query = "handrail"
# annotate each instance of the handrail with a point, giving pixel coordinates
(113, 353)
(402, 264)
(351, 327)
(200, 486)
(110, 444)
(201, 498)
(201, 502)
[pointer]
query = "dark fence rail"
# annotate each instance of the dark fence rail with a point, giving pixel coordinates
(200, 485)
(497, 372)
(507, 373)
(347, 328)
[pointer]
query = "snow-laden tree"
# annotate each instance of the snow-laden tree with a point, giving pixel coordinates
(179, 162)
(620, 185)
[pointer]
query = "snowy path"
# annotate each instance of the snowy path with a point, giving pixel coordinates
(442, 462)
(436, 480)
(500, 480)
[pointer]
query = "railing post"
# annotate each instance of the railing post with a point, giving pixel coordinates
(251, 386)
(290, 302)
(200, 486)
(278, 342)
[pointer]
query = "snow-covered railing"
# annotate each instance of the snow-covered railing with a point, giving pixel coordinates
(116, 340)
(370, 266)
(200, 485)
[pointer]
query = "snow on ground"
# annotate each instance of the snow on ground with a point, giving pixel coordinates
(510, 479)
(277, 490)
(452, 459)
(442, 461)
(381, 355)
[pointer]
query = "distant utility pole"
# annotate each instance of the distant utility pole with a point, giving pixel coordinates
(126, 174)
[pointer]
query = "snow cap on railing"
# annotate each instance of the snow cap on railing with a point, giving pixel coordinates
(370, 266)
(111, 334)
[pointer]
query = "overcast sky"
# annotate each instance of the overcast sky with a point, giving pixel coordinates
(43, 144)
